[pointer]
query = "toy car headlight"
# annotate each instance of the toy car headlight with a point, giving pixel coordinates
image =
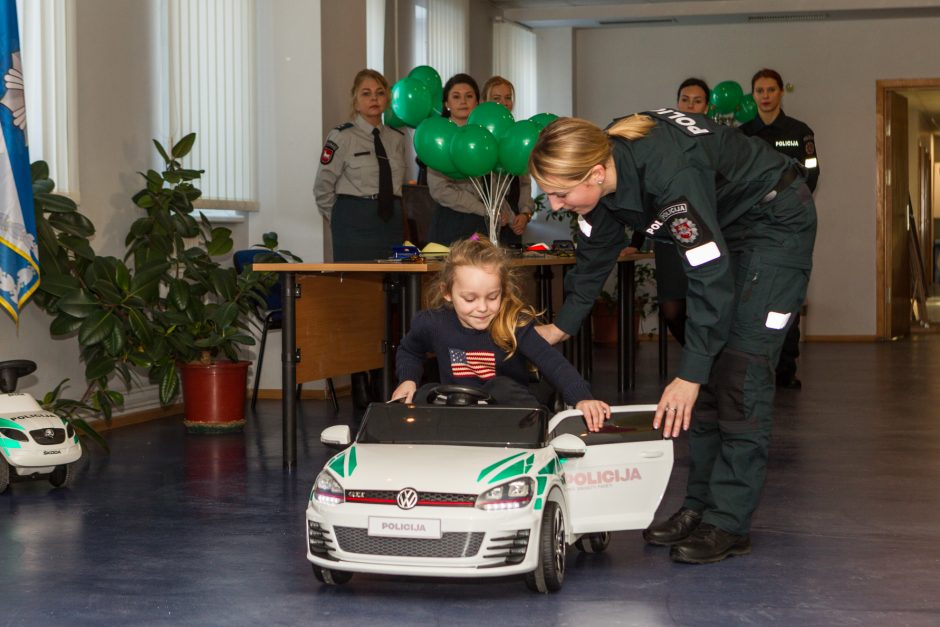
(328, 490)
(14, 434)
(512, 495)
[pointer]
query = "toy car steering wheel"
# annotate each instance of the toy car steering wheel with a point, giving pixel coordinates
(458, 396)
(12, 370)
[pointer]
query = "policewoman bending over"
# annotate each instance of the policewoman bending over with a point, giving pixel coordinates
(362, 168)
(745, 222)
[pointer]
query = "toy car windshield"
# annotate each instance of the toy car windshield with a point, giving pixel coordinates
(480, 425)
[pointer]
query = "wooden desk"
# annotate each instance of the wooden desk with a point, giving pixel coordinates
(330, 327)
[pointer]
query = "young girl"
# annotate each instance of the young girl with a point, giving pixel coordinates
(483, 334)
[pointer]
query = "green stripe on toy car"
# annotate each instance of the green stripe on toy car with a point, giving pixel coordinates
(336, 464)
(549, 468)
(9, 424)
(492, 467)
(542, 481)
(352, 461)
(538, 504)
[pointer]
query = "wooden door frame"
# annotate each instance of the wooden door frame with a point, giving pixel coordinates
(882, 87)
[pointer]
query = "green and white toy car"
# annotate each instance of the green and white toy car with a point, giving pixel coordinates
(34, 443)
(480, 491)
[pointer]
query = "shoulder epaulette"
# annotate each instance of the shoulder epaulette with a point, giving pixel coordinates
(343, 126)
(397, 130)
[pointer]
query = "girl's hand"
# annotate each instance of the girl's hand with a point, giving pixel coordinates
(405, 390)
(595, 413)
(675, 407)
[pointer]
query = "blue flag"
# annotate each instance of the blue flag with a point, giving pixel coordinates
(19, 251)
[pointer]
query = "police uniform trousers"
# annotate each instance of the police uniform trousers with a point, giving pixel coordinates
(359, 234)
(671, 282)
(448, 226)
(771, 255)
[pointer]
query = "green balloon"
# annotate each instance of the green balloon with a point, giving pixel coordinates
(411, 101)
(726, 96)
(392, 120)
(516, 145)
(747, 110)
(543, 119)
(493, 116)
(432, 80)
(474, 150)
(432, 142)
(457, 176)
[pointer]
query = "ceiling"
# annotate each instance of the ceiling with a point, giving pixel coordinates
(601, 13)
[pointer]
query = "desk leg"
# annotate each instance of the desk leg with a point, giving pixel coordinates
(288, 374)
(392, 289)
(663, 346)
(412, 298)
(546, 288)
(626, 342)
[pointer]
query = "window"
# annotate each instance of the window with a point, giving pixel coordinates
(514, 58)
(47, 42)
(447, 36)
(211, 77)
(375, 35)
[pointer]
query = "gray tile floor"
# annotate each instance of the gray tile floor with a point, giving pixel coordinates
(176, 529)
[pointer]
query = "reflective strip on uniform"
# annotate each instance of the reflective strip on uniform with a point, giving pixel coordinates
(776, 320)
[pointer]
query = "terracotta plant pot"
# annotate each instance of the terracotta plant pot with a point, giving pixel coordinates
(214, 396)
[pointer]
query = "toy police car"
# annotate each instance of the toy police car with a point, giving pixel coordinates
(480, 491)
(33, 442)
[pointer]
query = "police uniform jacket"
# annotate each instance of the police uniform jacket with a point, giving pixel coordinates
(702, 183)
(348, 164)
(791, 137)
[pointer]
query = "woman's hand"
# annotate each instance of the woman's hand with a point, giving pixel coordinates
(630, 250)
(520, 222)
(551, 334)
(595, 413)
(406, 391)
(674, 410)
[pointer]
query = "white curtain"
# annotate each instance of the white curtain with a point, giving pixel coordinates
(448, 38)
(47, 42)
(514, 58)
(211, 72)
(375, 35)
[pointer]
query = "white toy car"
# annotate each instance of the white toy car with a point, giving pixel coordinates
(480, 491)
(33, 442)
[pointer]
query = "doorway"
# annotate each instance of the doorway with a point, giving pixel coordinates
(908, 124)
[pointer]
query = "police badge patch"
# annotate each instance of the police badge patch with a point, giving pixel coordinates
(688, 231)
(329, 149)
(684, 231)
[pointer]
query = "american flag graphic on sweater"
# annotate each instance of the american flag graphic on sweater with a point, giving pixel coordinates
(479, 364)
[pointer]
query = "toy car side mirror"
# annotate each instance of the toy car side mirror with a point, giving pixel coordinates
(336, 437)
(568, 445)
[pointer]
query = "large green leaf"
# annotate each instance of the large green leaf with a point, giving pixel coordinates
(63, 324)
(183, 146)
(39, 170)
(99, 366)
(59, 284)
(169, 385)
(178, 294)
(140, 326)
(114, 342)
(223, 282)
(96, 327)
(57, 203)
(78, 304)
(43, 186)
(225, 315)
(221, 244)
(78, 245)
(162, 151)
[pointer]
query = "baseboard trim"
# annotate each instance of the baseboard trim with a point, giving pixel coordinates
(137, 417)
(319, 395)
(841, 338)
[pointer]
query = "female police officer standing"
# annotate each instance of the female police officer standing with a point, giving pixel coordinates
(745, 223)
(362, 167)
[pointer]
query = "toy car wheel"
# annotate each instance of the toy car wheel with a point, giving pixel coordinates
(549, 575)
(593, 542)
(62, 476)
(4, 475)
(331, 577)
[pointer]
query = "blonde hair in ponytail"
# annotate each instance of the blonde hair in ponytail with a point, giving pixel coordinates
(568, 148)
(513, 312)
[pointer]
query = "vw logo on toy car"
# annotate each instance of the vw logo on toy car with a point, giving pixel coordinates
(407, 498)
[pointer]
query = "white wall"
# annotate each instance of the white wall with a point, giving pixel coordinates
(834, 66)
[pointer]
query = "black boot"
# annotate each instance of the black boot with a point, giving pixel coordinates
(360, 389)
(674, 530)
(709, 544)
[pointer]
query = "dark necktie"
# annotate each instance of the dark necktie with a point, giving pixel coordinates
(385, 178)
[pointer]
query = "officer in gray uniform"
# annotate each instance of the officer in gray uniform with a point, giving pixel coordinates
(460, 212)
(745, 223)
(348, 186)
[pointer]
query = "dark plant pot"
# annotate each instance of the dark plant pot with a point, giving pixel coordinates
(214, 396)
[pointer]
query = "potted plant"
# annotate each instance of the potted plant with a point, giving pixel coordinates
(604, 314)
(168, 307)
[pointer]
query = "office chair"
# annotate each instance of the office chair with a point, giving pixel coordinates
(272, 319)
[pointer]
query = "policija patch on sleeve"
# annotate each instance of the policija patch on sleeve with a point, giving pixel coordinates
(329, 149)
(687, 230)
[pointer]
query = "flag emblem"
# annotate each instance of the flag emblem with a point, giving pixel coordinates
(479, 364)
(19, 249)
